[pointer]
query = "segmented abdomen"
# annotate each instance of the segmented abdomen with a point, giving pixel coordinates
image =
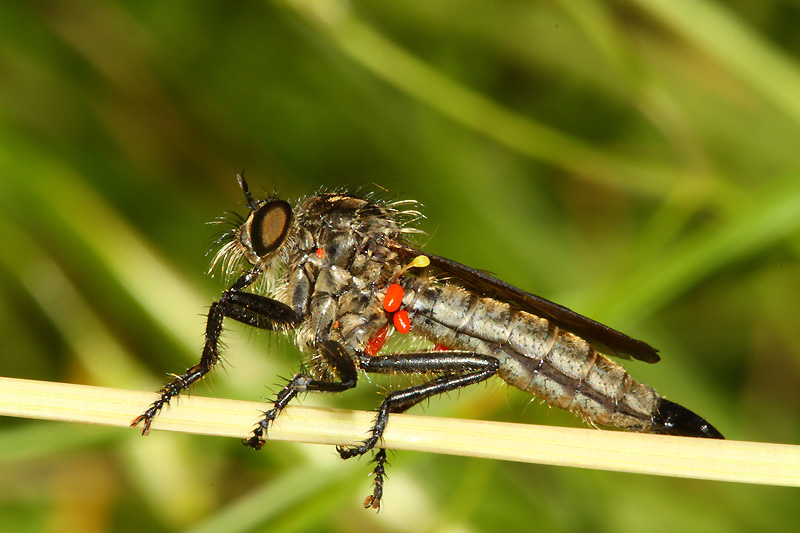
(534, 355)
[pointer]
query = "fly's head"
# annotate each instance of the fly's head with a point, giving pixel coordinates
(261, 238)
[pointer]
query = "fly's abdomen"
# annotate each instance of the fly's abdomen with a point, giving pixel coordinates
(572, 375)
(535, 356)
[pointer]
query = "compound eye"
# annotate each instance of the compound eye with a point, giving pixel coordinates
(270, 226)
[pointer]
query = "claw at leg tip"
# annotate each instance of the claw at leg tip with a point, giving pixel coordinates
(138, 420)
(373, 502)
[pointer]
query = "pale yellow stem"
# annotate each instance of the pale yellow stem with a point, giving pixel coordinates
(748, 462)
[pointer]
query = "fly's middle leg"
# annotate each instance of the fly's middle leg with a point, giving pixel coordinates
(251, 309)
(336, 359)
(459, 369)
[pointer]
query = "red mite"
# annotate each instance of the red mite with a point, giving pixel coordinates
(401, 321)
(377, 341)
(391, 303)
(393, 298)
(320, 253)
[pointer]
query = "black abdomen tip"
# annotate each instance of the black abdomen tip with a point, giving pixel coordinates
(674, 419)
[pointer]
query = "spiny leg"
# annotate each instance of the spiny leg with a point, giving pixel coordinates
(341, 366)
(379, 475)
(402, 400)
(460, 368)
(251, 309)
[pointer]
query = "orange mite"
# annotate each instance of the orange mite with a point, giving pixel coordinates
(377, 341)
(393, 298)
(401, 321)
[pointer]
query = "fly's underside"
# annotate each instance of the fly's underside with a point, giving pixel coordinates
(336, 271)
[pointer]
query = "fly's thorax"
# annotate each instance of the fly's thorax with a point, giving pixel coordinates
(360, 312)
(325, 215)
(338, 290)
(339, 246)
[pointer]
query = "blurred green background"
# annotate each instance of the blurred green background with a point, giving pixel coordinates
(638, 161)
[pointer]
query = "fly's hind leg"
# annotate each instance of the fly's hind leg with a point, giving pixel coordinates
(378, 477)
(456, 369)
(251, 309)
(336, 359)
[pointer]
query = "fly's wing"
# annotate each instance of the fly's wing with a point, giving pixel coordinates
(602, 337)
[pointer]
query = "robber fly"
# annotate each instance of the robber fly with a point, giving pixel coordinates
(337, 271)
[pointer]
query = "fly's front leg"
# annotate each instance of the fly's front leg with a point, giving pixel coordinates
(459, 369)
(336, 359)
(251, 309)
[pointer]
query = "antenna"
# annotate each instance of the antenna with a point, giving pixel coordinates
(246, 190)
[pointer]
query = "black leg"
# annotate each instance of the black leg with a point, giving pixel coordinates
(459, 368)
(344, 376)
(450, 362)
(251, 309)
(379, 474)
(401, 400)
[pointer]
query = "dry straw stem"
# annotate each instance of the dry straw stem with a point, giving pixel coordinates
(748, 462)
